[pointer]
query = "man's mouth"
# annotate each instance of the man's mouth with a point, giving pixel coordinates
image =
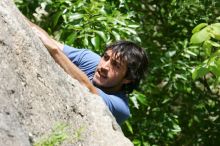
(102, 75)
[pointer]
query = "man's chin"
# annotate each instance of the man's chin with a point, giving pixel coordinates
(96, 83)
(99, 84)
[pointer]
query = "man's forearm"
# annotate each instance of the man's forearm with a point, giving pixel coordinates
(55, 49)
(72, 69)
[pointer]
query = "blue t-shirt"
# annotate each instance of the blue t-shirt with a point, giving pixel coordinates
(87, 61)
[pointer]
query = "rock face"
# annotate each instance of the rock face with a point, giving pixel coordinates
(36, 94)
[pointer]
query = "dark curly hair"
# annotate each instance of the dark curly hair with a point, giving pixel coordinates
(136, 59)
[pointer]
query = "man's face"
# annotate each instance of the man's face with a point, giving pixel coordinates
(110, 72)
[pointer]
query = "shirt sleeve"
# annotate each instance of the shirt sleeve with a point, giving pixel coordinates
(117, 105)
(85, 59)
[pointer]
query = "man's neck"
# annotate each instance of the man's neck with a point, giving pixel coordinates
(110, 89)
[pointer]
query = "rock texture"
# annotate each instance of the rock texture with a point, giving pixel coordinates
(36, 94)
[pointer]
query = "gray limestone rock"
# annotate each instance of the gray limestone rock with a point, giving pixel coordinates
(36, 94)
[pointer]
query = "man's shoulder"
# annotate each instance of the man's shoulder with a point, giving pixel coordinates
(117, 103)
(84, 59)
(69, 50)
(81, 55)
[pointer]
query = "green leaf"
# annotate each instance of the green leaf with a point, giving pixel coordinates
(119, 22)
(134, 101)
(215, 70)
(56, 17)
(200, 71)
(207, 47)
(217, 53)
(194, 47)
(137, 39)
(199, 27)
(141, 98)
(80, 3)
(146, 144)
(176, 128)
(116, 35)
(85, 41)
(136, 142)
(130, 30)
(93, 42)
(65, 18)
(75, 27)
(129, 126)
(214, 44)
(200, 36)
(166, 100)
(70, 39)
(75, 16)
(170, 53)
(180, 76)
(190, 53)
(133, 26)
(101, 34)
(215, 67)
(101, 18)
(195, 118)
(68, 2)
(96, 42)
(216, 30)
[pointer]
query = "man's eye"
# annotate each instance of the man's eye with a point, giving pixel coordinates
(115, 64)
(106, 57)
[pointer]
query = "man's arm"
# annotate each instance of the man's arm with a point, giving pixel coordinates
(37, 28)
(55, 49)
(72, 69)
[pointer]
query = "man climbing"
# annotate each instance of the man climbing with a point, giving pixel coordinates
(112, 76)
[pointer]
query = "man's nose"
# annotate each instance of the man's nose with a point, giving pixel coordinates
(106, 65)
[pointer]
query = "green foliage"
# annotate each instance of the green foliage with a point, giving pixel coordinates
(207, 38)
(57, 136)
(174, 99)
(60, 134)
(85, 23)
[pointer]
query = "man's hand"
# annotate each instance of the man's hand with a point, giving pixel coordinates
(45, 38)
